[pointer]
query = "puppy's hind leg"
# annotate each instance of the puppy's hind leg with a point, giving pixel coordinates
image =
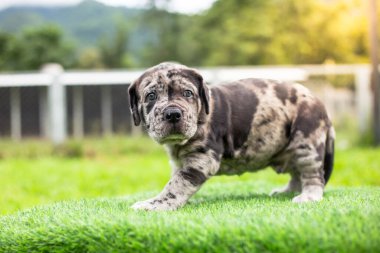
(310, 166)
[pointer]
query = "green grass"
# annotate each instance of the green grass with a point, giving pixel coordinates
(229, 217)
(75, 198)
(36, 173)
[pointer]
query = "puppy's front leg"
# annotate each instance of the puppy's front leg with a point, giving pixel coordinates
(184, 183)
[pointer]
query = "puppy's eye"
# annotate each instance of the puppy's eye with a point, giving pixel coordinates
(151, 96)
(188, 93)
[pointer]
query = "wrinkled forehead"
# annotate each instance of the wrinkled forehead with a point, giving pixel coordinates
(165, 77)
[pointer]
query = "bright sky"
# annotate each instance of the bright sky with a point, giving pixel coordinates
(183, 6)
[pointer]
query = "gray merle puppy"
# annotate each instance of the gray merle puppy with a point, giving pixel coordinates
(243, 126)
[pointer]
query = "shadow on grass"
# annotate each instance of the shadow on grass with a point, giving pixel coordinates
(212, 200)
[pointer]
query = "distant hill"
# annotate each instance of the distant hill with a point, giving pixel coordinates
(84, 23)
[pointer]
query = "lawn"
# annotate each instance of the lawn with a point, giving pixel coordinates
(83, 192)
(229, 217)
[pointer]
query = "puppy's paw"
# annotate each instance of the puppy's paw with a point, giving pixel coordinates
(307, 197)
(154, 205)
(143, 205)
(278, 191)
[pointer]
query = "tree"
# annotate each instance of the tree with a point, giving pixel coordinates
(246, 32)
(90, 58)
(33, 48)
(44, 44)
(113, 51)
(10, 52)
(163, 34)
(6, 40)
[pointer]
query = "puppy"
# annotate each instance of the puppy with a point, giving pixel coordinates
(243, 126)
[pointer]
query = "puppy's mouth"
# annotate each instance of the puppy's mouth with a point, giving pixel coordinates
(173, 139)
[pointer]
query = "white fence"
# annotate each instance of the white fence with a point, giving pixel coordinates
(53, 103)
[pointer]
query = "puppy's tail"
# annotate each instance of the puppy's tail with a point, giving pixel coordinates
(329, 154)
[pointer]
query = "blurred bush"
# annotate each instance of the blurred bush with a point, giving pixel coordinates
(71, 149)
(86, 148)
(35, 47)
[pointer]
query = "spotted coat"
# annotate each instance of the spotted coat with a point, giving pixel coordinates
(233, 128)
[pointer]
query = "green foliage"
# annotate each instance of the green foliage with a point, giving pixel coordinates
(164, 31)
(229, 217)
(45, 44)
(84, 23)
(90, 148)
(71, 149)
(231, 32)
(35, 47)
(281, 32)
(9, 51)
(113, 50)
(90, 58)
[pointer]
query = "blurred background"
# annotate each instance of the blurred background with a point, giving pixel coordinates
(65, 66)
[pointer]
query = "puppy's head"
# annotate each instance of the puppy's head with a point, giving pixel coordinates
(170, 100)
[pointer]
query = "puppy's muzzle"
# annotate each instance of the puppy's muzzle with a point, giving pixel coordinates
(172, 115)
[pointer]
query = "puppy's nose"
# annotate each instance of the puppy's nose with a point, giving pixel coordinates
(173, 115)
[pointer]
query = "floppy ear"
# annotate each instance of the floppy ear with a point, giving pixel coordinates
(205, 97)
(202, 89)
(133, 101)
